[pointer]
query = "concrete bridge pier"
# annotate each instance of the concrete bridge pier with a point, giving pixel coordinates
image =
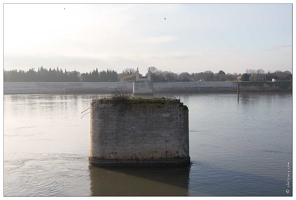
(139, 133)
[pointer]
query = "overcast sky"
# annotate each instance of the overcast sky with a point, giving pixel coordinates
(170, 37)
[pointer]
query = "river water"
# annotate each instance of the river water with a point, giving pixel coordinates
(238, 147)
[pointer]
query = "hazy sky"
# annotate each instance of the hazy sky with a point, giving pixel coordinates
(192, 38)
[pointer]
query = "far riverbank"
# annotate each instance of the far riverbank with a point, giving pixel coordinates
(127, 87)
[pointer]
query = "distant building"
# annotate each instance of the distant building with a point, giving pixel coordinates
(143, 84)
(143, 78)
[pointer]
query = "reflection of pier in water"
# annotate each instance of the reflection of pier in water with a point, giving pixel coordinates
(139, 181)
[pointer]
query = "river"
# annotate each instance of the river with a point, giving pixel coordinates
(238, 147)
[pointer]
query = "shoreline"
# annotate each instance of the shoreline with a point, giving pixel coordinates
(127, 87)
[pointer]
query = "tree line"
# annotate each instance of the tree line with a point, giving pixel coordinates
(167, 76)
(102, 76)
(59, 75)
(128, 74)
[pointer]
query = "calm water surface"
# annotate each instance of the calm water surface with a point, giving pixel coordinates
(237, 148)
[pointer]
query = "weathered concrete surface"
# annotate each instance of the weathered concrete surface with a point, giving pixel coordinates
(139, 132)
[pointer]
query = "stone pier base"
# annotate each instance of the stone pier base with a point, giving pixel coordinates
(166, 162)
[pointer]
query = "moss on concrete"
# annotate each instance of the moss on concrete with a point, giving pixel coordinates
(138, 100)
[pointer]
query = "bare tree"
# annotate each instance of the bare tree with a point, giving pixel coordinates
(129, 71)
(120, 95)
